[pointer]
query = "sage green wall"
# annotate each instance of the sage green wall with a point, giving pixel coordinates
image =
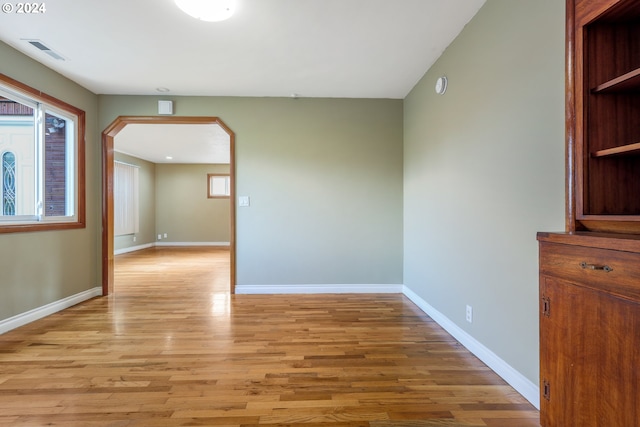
(39, 268)
(325, 181)
(484, 171)
(184, 211)
(147, 209)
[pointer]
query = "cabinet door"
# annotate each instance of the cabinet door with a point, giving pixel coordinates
(590, 357)
(619, 362)
(568, 353)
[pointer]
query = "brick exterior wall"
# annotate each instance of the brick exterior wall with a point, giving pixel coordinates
(12, 108)
(55, 157)
(55, 170)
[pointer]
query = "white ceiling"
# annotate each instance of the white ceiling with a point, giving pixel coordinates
(313, 48)
(272, 48)
(193, 143)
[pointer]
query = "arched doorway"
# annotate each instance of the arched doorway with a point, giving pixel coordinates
(108, 136)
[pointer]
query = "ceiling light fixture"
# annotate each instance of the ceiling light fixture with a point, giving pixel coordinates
(208, 10)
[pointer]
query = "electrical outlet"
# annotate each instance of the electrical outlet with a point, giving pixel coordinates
(159, 236)
(469, 314)
(165, 235)
(134, 238)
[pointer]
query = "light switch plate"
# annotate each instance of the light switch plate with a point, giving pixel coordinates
(244, 201)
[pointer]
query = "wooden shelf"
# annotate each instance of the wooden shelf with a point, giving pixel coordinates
(631, 149)
(603, 94)
(626, 82)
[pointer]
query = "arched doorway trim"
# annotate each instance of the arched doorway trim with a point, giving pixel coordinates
(108, 136)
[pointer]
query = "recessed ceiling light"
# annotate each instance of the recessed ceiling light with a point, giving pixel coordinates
(162, 89)
(169, 158)
(208, 10)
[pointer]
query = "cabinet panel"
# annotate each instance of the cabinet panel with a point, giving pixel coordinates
(612, 117)
(567, 356)
(613, 271)
(590, 276)
(589, 340)
(619, 377)
(587, 10)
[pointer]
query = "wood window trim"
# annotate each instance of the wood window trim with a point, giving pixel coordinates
(209, 195)
(42, 97)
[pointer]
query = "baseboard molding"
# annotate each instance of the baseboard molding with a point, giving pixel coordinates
(519, 382)
(46, 310)
(133, 249)
(166, 244)
(192, 244)
(319, 289)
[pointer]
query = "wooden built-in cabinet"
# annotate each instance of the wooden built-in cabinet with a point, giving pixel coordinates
(589, 330)
(590, 274)
(603, 115)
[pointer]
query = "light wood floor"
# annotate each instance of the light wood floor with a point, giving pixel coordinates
(171, 347)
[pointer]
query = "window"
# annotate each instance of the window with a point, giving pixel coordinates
(218, 186)
(125, 199)
(8, 184)
(42, 160)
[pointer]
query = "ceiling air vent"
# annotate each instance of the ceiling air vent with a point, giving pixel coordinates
(46, 49)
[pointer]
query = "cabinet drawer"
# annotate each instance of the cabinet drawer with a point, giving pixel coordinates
(615, 272)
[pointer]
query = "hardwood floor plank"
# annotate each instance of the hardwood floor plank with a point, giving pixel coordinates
(172, 348)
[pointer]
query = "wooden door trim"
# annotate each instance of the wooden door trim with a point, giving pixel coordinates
(108, 136)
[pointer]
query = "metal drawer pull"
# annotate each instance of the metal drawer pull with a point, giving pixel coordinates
(604, 268)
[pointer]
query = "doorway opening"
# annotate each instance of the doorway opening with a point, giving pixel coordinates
(108, 136)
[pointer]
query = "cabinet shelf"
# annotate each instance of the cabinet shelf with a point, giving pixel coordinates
(626, 82)
(603, 93)
(630, 149)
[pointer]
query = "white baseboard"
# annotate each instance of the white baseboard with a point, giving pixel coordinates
(319, 289)
(151, 245)
(519, 382)
(192, 243)
(46, 310)
(133, 249)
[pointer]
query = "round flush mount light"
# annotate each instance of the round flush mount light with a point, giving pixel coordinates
(441, 85)
(208, 10)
